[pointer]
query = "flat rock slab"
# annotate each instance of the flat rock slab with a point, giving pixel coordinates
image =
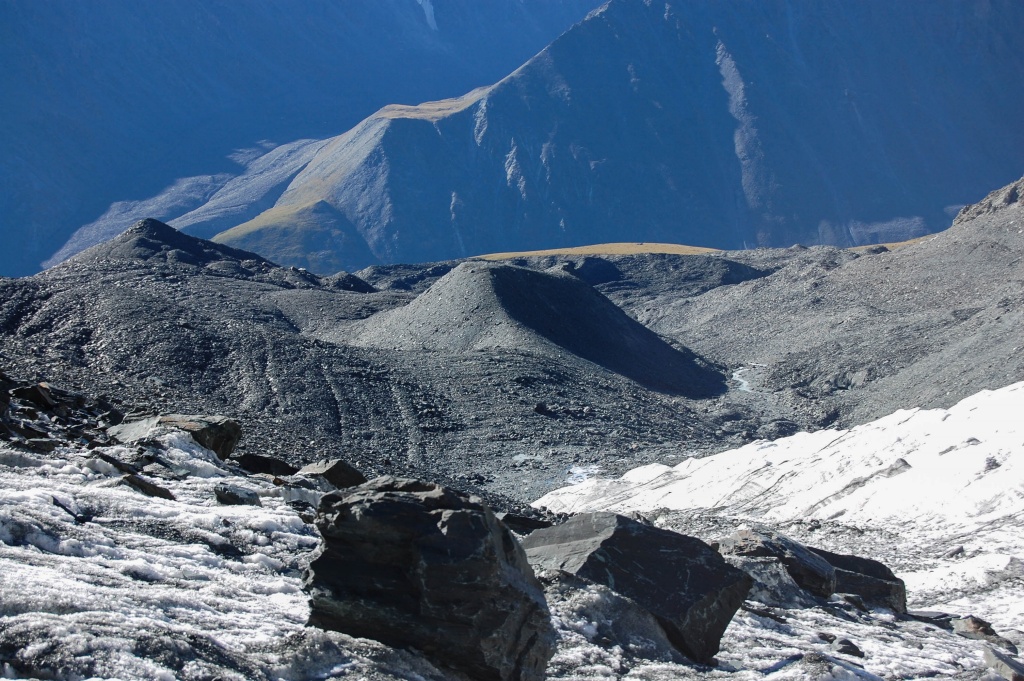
(685, 584)
(233, 495)
(219, 434)
(413, 564)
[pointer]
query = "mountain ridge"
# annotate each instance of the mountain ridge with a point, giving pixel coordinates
(699, 124)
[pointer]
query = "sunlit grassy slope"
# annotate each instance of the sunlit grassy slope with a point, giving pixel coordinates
(630, 248)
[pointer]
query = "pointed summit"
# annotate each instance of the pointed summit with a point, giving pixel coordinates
(150, 240)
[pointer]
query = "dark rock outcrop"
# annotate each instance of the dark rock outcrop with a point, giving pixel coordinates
(869, 579)
(413, 564)
(140, 484)
(219, 434)
(522, 524)
(268, 465)
(809, 570)
(233, 495)
(335, 471)
(977, 628)
(688, 587)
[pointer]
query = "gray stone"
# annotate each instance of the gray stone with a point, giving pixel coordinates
(871, 580)
(413, 564)
(219, 434)
(773, 585)
(521, 524)
(812, 572)
(258, 463)
(979, 629)
(233, 495)
(1009, 668)
(847, 647)
(140, 484)
(688, 587)
(336, 472)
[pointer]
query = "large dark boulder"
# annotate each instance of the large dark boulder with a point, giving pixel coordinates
(413, 564)
(688, 587)
(872, 581)
(809, 570)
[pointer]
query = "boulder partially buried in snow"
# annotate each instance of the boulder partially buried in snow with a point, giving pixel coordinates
(413, 564)
(810, 571)
(335, 471)
(219, 434)
(686, 585)
(871, 580)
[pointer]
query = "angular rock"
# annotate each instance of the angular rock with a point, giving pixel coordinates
(413, 564)
(1007, 667)
(257, 463)
(869, 579)
(688, 587)
(233, 495)
(812, 572)
(773, 585)
(148, 488)
(847, 647)
(38, 394)
(979, 629)
(336, 472)
(219, 434)
(521, 524)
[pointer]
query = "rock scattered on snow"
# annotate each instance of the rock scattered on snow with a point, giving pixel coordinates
(1009, 668)
(413, 564)
(809, 570)
(258, 463)
(233, 495)
(219, 434)
(335, 471)
(688, 587)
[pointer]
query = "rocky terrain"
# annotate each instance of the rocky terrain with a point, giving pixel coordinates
(132, 551)
(508, 379)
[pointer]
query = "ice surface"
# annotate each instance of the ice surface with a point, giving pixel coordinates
(99, 581)
(936, 494)
(148, 588)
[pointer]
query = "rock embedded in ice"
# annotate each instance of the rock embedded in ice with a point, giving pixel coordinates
(867, 578)
(809, 570)
(1004, 665)
(336, 472)
(413, 564)
(977, 628)
(219, 434)
(233, 495)
(688, 587)
(258, 463)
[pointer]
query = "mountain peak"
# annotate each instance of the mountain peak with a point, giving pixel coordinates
(150, 240)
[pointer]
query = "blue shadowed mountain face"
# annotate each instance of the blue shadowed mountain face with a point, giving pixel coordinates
(116, 99)
(727, 124)
(723, 124)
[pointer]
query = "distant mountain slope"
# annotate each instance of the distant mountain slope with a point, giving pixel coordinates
(726, 124)
(115, 100)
